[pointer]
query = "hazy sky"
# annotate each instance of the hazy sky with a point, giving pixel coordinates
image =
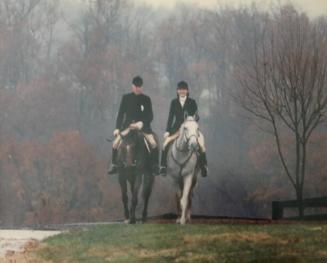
(313, 7)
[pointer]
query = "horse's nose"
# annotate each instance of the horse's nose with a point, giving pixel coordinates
(193, 145)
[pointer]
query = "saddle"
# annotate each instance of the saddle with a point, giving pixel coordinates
(170, 139)
(150, 140)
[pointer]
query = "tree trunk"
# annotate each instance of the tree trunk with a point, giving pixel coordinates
(300, 202)
(301, 187)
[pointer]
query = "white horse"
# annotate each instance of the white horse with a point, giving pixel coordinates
(182, 166)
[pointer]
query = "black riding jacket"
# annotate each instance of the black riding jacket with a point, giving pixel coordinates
(134, 108)
(177, 113)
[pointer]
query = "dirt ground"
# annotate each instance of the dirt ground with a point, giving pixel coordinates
(14, 244)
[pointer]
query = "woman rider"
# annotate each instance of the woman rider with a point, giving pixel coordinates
(180, 107)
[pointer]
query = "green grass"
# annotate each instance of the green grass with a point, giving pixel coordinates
(191, 243)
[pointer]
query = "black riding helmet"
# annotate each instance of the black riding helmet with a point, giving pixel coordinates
(182, 85)
(137, 81)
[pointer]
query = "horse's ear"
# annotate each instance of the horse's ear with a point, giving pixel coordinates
(196, 116)
(185, 115)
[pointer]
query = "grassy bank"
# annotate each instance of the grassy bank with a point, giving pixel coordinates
(192, 243)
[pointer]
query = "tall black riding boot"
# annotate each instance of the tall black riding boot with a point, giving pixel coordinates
(113, 168)
(203, 164)
(155, 161)
(163, 163)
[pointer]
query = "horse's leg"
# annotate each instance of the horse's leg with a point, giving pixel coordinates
(179, 192)
(123, 187)
(189, 209)
(178, 202)
(148, 180)
(185, 197)
(135, 190)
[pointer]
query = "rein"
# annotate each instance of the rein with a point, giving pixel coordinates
(187, 140)
(181, 165)
(121, 135)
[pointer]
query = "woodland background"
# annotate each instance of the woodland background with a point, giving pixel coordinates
(62, 75)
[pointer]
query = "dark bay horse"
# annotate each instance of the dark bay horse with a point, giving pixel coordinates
(134, 170)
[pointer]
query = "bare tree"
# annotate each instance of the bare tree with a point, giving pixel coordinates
(27, 30)
(285, 83)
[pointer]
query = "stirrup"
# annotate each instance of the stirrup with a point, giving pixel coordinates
(163, 171)
(155, 170)
(113, 169)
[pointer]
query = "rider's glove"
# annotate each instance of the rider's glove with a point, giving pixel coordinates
(138, 125)
(166, 135)
(116, 132)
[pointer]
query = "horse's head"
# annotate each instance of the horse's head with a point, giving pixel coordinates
(128, 149)
(189, 134)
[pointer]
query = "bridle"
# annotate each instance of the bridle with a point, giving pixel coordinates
(127, 145)
(192, 151)
(187, 139)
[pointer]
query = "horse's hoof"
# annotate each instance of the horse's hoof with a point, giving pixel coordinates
(183, 220)
(126, 221)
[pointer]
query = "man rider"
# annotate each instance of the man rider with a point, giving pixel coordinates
(135, 112)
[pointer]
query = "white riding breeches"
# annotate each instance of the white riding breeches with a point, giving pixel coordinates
(175, 136)
(148, 136)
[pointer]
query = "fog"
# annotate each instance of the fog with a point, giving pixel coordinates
(64, 66)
